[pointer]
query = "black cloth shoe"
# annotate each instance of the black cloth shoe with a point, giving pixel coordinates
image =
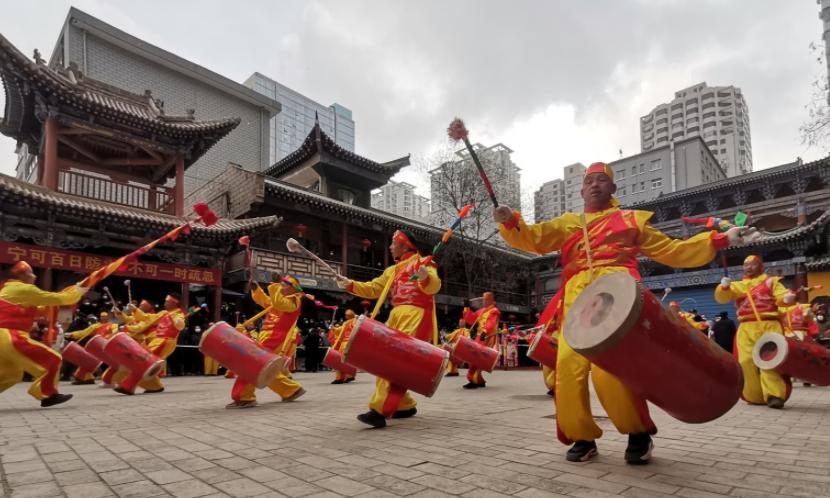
(121, 390)
(639, 448)
(582, 451)
(372, 418)
(350, 379)
(161, 389)
(550, 392)
(55, 399)
(299, 392)
(77, 382)
(452, 374)
(806, 384)
(472, 385)
(337, 381)
(405, 413)
(775, 402)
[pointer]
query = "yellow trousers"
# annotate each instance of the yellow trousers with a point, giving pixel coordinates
(759, 385)
(211, 366)
(573, 407)
(19, 353)
(162, 348)
(384, 400)
(452, 368)
(282, 384)
(549, 375)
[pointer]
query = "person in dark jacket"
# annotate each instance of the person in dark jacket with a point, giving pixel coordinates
(312, 350)
(724, 331)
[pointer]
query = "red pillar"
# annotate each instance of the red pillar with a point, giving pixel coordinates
(185, 297)
(217, 301)
(344, 248)
(50, 155)
(179, 188)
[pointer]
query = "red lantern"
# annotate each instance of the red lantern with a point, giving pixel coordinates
(301, 230)
(366, 243)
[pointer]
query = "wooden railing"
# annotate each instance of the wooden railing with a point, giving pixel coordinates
(150, 197)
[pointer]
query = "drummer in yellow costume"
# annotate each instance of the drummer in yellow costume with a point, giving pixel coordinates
(796, 319)
(341, 338)
(687, 317)
(615, 238)
(413, 313)
(284, 298)
(136, 328)
(19, 303)
(486, 322)
(105, 328)
(162, 337)
(461, 331)
(757, 297)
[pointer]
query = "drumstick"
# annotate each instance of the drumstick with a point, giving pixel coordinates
(129, 291)
(296, 247)
(112, 299)
(666, 292)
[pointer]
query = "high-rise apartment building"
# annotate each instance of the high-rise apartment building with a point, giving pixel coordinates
(676, 166)
(400, 198)
(719, 115)
(549, 200)
(456, 182)
(291, 126)
(574, 174)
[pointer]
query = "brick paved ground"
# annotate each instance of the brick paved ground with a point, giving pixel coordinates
(498, 441)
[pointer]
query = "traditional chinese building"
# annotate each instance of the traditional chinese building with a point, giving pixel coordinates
(790, 204)
(103, 173)
(322, 192)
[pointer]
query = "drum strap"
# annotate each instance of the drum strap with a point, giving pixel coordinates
(587, 241)
(752, 303)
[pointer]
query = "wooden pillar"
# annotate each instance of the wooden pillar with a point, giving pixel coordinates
(385, 251)
(50, 154)
(185, 297)
(344, 248)
(179, 188)
(801, 213)
(46, 280)
(538, 287)
(217, 301)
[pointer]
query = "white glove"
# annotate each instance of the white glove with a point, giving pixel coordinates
(725, 282)
(789, 298)
(422, 273)
(741, 236)
(343, 282)
(502, 214)
(81, 290)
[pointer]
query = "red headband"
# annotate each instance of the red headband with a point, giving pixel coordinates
(404, 239)
(20, 268)
(600, 168)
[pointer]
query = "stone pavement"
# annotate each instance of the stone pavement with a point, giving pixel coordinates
(498, 441)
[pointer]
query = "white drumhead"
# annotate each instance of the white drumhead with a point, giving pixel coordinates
(769, 351)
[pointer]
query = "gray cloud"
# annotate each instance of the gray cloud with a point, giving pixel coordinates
(565, 81)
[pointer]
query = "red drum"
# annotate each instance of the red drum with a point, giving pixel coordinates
(334, 360)
(807, 361)
(240, 354)
(78, 356)
(475, 354)
(622, 327)
(401, 359)
(544, 348)
(127, 353)
(447, 346)
(95, 347)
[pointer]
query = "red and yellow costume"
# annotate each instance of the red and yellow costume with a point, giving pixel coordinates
(486, 322)
(685, 316)
(615, 238)
(551, 318)
(797, 320)
(413, 313)
(285, 310)
(757, 300)
(105, 330)
(19, 303)
(162, 334)
(453, 336)
(341, 338)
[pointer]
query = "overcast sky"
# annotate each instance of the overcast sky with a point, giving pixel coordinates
(557, 81)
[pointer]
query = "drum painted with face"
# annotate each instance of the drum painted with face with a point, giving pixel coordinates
(401, 359)
(240, 354)
(78, 356)
(804, 360)
(129, 354)
(475, 354)
(334, 360)
(621, 327)
(543, 348)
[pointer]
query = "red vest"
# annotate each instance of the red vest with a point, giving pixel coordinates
(409, 292)
(764, 302)
(17, 317)
(165, 328)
